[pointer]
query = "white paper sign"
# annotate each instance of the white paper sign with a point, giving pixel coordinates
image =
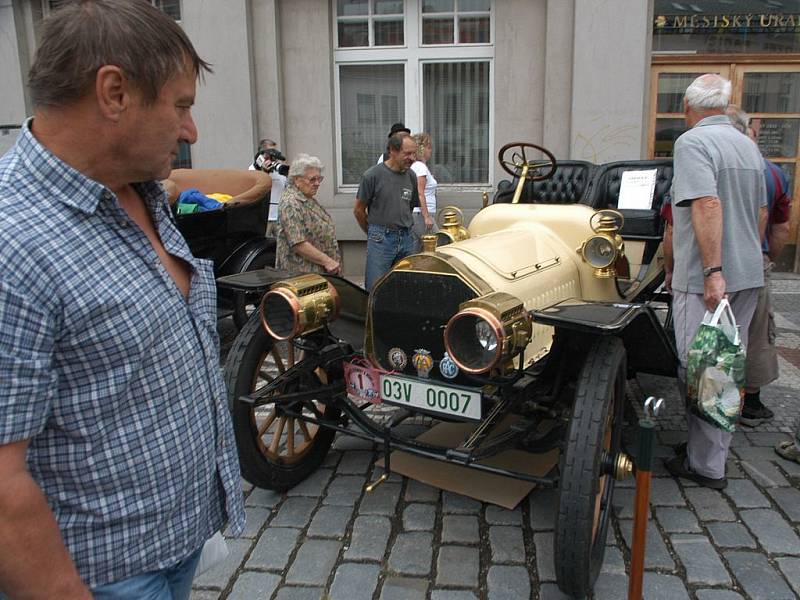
(636, 189)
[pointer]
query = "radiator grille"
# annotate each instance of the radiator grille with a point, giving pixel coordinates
(410, 311)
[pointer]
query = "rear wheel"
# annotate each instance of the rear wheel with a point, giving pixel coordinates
(276, 451)
(585, 492)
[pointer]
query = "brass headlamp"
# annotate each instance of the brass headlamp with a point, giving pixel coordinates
(298, 305)
(606, 247)
(451, 226)
(488, 331)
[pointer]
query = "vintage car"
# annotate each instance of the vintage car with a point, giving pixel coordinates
(231, 237)
(539, 311)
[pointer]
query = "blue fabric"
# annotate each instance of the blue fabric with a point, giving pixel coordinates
(195, 196)
(110, 372)
(384, 248)
(174, 583)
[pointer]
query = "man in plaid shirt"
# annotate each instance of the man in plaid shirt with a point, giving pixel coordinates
(117, 456)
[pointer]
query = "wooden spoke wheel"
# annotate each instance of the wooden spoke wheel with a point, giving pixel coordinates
(585, 492)
(514, 156)
(276, 451)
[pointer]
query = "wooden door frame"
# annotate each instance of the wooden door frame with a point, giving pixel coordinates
(734, 67)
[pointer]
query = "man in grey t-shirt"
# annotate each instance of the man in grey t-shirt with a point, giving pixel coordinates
(386, 196)
(719, 208)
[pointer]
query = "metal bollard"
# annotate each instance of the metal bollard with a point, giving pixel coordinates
(644, 466)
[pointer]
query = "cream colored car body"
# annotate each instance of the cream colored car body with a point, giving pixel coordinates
(528, 251)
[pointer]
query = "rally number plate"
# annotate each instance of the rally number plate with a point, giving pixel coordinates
(449, 400)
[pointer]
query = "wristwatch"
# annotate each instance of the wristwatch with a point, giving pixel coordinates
(707, 271)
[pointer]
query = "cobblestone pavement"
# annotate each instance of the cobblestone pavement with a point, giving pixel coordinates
(329, 539)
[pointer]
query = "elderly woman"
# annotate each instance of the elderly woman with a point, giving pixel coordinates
(306, 233)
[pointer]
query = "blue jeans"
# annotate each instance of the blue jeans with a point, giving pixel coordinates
(384, 248)
(174, 583)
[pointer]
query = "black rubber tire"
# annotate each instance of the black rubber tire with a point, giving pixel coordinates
(250, 352)
(596, 424)
(241, 300)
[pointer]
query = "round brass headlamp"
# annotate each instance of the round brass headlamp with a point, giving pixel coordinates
(487, 332)
(296, 306)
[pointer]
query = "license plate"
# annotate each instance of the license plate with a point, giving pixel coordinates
(443, 399)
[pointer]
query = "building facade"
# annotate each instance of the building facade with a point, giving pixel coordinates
(595, 80)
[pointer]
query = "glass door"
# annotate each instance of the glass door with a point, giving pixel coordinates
(667, 85)
(769, 93)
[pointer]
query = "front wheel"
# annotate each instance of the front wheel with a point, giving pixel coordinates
(585, 491)
(276, 451)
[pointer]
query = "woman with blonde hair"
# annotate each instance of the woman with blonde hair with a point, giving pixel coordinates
(425, 213)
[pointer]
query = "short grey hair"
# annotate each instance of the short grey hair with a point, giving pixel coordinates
(739, 119)
(302, 163)
(708, 92)
(81, 37)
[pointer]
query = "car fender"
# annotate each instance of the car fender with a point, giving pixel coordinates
(649, 347)
(248, 253)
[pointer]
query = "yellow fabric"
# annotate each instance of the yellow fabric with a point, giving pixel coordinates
(220, 197)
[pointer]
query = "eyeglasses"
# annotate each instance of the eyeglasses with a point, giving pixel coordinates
(314, 180)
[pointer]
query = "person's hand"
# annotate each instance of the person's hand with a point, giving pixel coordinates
(668, 282)
(333, 268)
(714, 290)
(428, 222)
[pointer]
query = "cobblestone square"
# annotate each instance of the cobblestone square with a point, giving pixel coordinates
(329, 539)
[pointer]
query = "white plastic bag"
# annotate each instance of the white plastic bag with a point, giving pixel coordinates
(215, 550)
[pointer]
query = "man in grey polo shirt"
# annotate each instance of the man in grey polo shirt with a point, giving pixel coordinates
(386, 196)
(719, 209)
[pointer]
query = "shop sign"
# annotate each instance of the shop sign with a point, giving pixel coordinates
(730, 23)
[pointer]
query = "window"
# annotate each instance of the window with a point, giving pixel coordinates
(369, 23)
(455, 21)
(171, 7)
(363, 129)
(427, 63)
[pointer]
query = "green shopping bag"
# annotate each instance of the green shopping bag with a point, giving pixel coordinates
(715, 369)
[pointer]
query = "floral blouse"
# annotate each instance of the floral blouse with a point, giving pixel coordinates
(302, 219)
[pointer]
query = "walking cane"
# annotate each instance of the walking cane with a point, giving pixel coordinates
(644, 465)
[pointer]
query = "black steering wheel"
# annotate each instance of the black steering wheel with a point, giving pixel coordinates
(513, 157)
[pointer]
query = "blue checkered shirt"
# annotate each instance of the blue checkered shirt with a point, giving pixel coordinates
(109, 371)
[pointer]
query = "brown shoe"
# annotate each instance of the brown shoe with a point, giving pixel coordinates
(788, 450)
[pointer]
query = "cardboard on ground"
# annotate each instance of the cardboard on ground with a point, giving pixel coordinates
(636, 189)
(487, 487)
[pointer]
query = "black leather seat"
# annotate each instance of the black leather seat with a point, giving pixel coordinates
(568, 185)
(645, 224)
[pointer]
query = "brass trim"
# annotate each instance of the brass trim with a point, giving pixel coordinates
(294, 304)
(623, 466)
(494, 323)
(523, 177)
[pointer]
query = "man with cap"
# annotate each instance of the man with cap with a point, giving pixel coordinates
(396, 128)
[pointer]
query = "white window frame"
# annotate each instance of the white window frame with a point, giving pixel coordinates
(46, 10)
(412, 55)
